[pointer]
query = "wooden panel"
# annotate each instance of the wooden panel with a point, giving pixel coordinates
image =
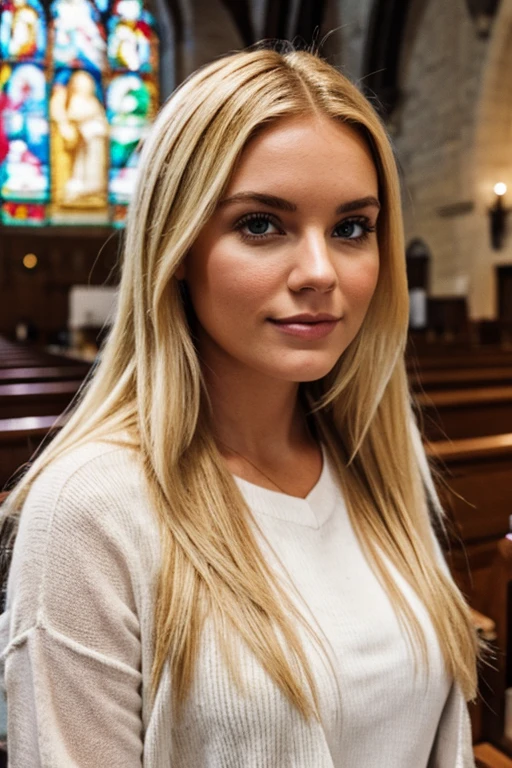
(487, 756)
(475, 491)
(460, 378)
(458, 414)
(43, 373)
(497, 673)
(39, 296)
(451, 356)
(16, 355)
(19, 438)
(36, 399)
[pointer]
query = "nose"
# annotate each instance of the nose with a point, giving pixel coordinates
(313, 267)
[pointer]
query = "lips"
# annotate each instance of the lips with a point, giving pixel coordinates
(305, 326)
(307, 319)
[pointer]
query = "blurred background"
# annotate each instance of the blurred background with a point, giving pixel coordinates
(81, 81)
(80, 84)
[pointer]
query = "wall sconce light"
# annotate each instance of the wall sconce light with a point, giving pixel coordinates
(498, 216)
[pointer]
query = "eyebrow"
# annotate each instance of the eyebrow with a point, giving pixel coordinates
(284, 205)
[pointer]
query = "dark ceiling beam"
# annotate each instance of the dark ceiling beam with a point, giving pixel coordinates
(276, 19)
(178, 24)
(309, 20)
(382, 53)
(240, 12)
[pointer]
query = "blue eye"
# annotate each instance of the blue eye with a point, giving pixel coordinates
(257, 226)
(354, 229)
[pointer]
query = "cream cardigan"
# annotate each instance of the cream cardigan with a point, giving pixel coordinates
(78, 647)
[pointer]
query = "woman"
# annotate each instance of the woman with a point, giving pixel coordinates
(225, 557)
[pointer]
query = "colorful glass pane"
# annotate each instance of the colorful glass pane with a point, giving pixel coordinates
(102, 5)
(79, 37)
(118, 216)
(22, 31)
(24, 134)
(131, 37)
(23, 214)
(79, 135)
(131, 104)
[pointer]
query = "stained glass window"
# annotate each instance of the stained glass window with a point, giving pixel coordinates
(132, 98)
(78, 91)
(24, 133)
(131, 30)
(22, 31)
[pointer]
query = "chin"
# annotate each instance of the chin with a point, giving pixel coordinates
(311, 371)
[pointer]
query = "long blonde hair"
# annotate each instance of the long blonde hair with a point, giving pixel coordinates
(211, 562)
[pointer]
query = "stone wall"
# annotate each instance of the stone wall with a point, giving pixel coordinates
(452, 133)
(434, 129)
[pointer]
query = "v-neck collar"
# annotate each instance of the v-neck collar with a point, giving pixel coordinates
(312, 511)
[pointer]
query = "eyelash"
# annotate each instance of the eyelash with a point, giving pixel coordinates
(241, 223)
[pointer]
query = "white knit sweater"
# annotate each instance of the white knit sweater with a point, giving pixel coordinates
(78, 647)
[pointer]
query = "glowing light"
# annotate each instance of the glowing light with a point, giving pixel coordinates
(29, 260)
(500, 188)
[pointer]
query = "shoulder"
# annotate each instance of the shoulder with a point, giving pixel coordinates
(97, 486)
(95, 482)
(86, 523)
(91, 466)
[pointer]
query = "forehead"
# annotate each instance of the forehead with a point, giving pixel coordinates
(304, 153)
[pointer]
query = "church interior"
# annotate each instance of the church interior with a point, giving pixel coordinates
(81, 82)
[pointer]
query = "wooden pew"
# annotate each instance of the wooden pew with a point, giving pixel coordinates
(17, 355)
(19, 438)
(35, 387)
(455, 356)
(43, 373)
(464, 413)
(36, 398)
(487, 756)
(498, 676)
(460, 378)
(474, 480)
(475, 485)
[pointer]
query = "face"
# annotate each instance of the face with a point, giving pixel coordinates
(281, 276)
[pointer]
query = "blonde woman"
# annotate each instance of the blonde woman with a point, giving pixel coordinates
(225, 557)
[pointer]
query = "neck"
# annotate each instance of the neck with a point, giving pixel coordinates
(255, 415)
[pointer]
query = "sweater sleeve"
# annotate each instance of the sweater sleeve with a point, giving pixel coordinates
(69, 707)
(72, 661)
(453, 745)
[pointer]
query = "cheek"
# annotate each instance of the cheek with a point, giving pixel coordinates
(228, 301)
(229, 283)
(359, 285)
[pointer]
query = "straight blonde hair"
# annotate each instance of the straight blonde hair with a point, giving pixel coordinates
(361, 411)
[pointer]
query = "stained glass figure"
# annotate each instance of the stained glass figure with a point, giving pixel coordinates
(79, 136)
(24, 136)
(22, 31)
(131, 105)
(131, 38)
(79, 38)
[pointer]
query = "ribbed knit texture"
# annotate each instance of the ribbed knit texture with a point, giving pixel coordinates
(78, 647)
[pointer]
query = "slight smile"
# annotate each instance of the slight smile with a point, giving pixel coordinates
(304, 326)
